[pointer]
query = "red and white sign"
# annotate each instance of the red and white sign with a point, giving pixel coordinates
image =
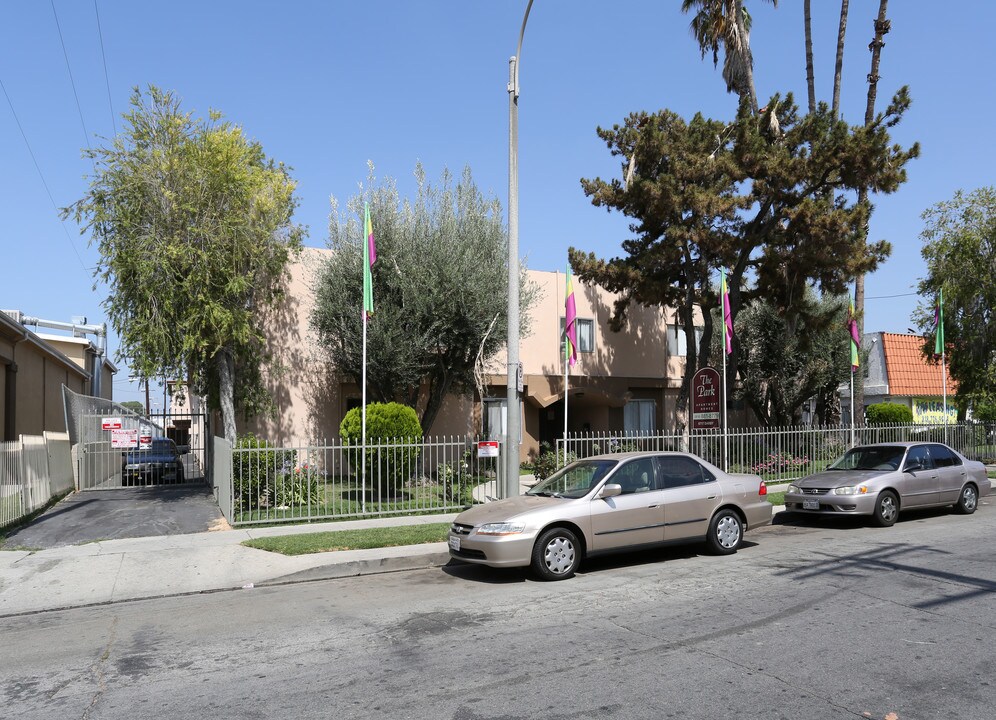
(487, 448)
(145, 442)
(110, 423)
(705, 399)
(124, 439)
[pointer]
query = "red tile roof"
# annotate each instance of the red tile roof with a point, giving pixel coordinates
(908, 371)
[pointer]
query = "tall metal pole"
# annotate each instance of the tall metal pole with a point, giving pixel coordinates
(512, 430)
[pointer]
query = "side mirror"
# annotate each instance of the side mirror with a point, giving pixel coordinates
(610, 490)
(913, 466)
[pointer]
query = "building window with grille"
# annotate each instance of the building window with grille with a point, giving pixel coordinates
(638, 417)
(586, 334)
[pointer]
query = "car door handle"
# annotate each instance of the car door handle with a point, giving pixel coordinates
(711, 497)
(655, 505)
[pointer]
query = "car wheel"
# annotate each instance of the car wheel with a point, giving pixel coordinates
(886, 509)
(556, 554)
(726, 532)
(968, 500)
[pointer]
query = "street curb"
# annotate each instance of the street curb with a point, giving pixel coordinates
(355, 568)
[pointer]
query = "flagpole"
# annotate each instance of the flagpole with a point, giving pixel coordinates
(567, 354)
(363, 421)
(852, 407)
(944, 386)
(726, 437)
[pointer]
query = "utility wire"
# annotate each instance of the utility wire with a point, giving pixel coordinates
(86, 135)
(103, 57)
(42, 176)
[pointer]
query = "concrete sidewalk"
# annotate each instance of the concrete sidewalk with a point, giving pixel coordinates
(150, 567)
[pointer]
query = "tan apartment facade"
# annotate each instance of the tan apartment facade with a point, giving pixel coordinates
(625, 381)
(33, 373)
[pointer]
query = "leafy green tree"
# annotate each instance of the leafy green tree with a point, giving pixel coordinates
(193, 224)
(769, 199)
(780, 370)
(440, 287)
(960, 252)
(135, 406)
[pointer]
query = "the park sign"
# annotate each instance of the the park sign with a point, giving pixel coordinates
(706, 399)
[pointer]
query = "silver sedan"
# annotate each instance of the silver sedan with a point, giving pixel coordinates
(612, 503)
(883, 479)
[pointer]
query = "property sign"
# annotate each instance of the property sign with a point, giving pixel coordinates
(487, 448)
(930, 411)
(124, 438)
(110, 423)
(144, 442)
(705, 399)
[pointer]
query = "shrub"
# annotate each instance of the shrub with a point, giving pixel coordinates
(549, 461)
(886, 413)
(255, 469)
(300, 487)
(389, 466)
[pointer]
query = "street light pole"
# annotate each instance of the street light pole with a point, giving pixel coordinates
(513, 411)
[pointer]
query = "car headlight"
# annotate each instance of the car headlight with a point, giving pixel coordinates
(851, 490)
(501, 528)
(792, 489)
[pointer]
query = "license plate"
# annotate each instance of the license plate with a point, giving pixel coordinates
(455, 542)
(810, 504)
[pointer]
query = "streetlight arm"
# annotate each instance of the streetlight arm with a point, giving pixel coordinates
(518, 51)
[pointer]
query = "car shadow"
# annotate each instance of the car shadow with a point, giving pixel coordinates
(849, 522)
(600, 563)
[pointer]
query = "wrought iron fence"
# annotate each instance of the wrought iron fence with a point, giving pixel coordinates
(784, 453)
(270, 484)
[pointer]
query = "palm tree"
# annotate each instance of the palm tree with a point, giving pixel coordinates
(841, 30)
(726, 23)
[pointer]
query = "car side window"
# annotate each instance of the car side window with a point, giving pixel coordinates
(943, 457)
(681, 471)
(636, 476)
(918, 456)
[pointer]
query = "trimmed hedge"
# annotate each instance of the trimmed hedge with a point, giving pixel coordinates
(888, 413)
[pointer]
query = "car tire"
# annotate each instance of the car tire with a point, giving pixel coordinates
(726, 533)
(556, 554)
(968, 500)
(886, 509)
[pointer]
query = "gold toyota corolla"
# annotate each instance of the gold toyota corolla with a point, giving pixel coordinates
(612, 503)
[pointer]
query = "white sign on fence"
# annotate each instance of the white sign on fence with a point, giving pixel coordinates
(110, 423)
(487, 448)
(124, 438)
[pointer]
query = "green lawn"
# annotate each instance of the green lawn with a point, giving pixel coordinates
(352, 539)
(777, 498)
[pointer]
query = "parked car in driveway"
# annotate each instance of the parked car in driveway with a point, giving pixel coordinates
(884, 479)
(612, 503)
(157, 464)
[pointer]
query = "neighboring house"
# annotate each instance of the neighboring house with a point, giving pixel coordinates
(35, 367)
(625, 381)
(898, 372)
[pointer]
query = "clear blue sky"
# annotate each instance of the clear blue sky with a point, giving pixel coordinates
(327, 86)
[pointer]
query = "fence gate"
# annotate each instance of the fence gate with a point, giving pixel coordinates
(114, 448)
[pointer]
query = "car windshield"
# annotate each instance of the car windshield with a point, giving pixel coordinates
(885, 458)
(574, 481)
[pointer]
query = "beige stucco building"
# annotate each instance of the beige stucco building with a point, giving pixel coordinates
(625, 381)
(35, 367)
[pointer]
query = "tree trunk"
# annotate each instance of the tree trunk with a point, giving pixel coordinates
(881, 28)
(810, 80)
(841, 31)
(226, 393)
(748, 58)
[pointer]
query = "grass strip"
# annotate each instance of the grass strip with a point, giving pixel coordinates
(777, 498)
(365, 539)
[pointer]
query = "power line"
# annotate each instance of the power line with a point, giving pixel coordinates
(885, 297)
(86, 135)
(42, 176)
(103, 57)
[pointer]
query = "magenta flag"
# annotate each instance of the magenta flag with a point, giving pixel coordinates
(727, 316)
(570, 322)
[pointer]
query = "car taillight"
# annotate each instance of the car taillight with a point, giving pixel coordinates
(763, 490)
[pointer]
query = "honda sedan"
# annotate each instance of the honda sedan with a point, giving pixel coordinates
(612, 503)
(884, 479)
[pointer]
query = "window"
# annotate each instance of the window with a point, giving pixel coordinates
(636, 476)
(677, 346)
(639, 416)
(918, 456)
(495, 418)
(943, 457)
(681, 471)
(586, 334)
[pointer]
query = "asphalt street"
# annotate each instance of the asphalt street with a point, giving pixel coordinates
(811, 619)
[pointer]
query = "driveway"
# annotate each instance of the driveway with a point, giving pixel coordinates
(125, 513)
